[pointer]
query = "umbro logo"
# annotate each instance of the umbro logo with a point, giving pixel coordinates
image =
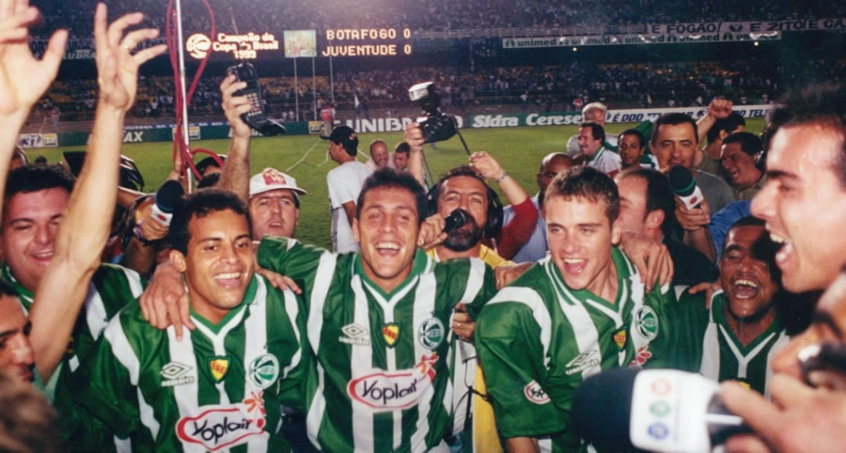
(582, 362)
(354, 334)
(174, 373)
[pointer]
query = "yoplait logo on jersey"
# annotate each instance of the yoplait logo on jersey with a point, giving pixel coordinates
(384, 391)
(224, 426)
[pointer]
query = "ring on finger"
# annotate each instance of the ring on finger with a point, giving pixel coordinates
(126, 47)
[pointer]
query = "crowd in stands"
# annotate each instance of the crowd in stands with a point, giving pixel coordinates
(439, 15)
(545, 88)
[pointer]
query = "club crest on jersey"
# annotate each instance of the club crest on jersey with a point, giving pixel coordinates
(219, 366)
(354, 334)
(431, 333)
(535, 393)
(620, 337)
(174, 373)
(385, 391)
(391, 333)
(646, 323)
(263, 371)
(224, 426)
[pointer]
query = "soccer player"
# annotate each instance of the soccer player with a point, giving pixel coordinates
(378, 324)
(739, 335)
(581, 310)
(223, 385)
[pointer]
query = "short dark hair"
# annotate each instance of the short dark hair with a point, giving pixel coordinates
(728, 124)
(461, 170)
(390, 178)
(35, 178)
(589, 183)
(208, 181)
(210, 161)
(640, 137)
(200, 204)
(749, 142)
(673, 119)
(821, 104)
(659, 196)
(7, 289)
(402, 147)
(596, 130)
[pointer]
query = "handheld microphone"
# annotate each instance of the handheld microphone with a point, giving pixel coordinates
(166, 199)
(684, 186)
(455, 220)
(655, 410)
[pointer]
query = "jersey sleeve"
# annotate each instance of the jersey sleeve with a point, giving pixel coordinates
(467, 280)
(105, 399)
(512, 359)
(290, 257)
(518, 230)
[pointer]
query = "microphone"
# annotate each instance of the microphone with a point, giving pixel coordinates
(455, 220)
(166, 199)
(684, 186)
(654, 410)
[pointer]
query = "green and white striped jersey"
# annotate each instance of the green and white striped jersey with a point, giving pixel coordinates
(220, 388)
(112, 287)
(382, 380)
(708, 345)
(537, 339)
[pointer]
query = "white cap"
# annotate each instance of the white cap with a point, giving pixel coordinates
(272, 179)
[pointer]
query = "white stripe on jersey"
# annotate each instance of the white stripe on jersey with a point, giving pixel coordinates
(424, 307)
(743, 360)
(781, 342)
(95, 312)
(533, 300)
(134, 282)
(323, 279)
(292, 309)
(362, 355)
(217, 340)
(186, 395)
(124, 353)
(255, 328)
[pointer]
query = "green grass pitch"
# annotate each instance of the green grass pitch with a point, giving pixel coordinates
(519, 150)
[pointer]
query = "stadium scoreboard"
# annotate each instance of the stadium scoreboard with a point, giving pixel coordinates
(335, 43)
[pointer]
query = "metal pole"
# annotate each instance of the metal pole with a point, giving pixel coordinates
(313, 89)
(181, 52)
(296, 90)
(331, 81)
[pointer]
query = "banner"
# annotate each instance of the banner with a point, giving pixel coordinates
(613, 116)
(653, 38)
(387, 124)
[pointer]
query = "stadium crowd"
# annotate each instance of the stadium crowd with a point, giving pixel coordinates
(444, 319)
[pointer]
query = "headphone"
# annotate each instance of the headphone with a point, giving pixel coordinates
(493, 226)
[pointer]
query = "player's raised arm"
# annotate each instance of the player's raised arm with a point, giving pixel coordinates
(86, 224)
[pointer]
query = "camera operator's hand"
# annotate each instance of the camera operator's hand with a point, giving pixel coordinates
(414, 137)
(23, 79)
(486, 165)
(235, 106)
(432, 232)
(117, 67)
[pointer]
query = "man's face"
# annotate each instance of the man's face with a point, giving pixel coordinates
(401, 160)
(29, 228)
(587, 144)
(15, 351)
(632, 204)
(745, 273)
(552, 168)
(596, 116)
(274, 213)
(219, 264)
(803, 206)
(740, 166)
(580, 236)
(675, 145)
(379, 153)
(335, 150)
(387, 231)
(630, 150)
(471, 195)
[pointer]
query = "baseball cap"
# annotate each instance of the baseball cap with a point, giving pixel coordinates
(344, 135)
(273, 179)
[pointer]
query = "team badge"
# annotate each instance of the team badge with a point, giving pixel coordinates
(263, 371)
(391, 333)
(646, 323)
(535, 393)
(219, 366)
(620, 337)
(431, 333)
